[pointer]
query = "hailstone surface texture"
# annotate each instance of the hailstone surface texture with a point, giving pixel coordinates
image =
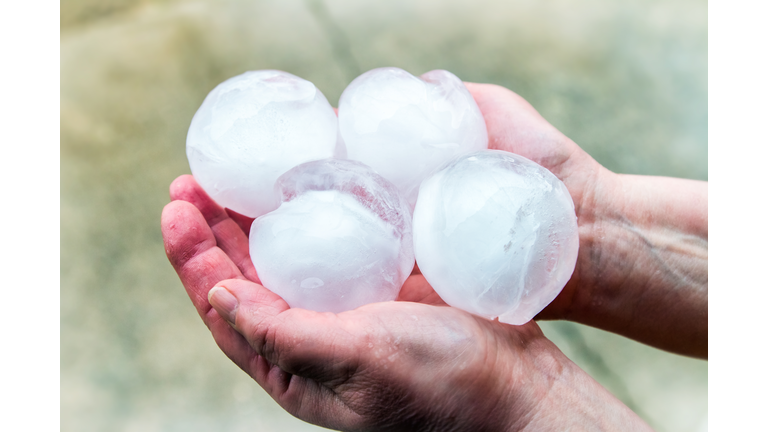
(251, 129)
(405, 127)
(341, 238)
(495, 234)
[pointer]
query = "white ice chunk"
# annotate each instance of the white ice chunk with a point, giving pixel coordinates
(341, 238)
(496, 235)
(251, 129)
(405, 127)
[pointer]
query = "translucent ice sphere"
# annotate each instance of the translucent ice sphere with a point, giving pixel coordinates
(341, 238)
(495, 234)
(405, 127)
(251, 129)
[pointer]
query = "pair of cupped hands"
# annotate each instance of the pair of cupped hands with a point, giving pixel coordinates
(418, 364)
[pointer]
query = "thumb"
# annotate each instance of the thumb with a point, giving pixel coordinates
(515, 126)
(314, 345)
(298, 356)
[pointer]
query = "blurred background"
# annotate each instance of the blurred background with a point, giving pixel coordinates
(626, 80)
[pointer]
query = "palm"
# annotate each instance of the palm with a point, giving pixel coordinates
(302, 358)
(336, 369)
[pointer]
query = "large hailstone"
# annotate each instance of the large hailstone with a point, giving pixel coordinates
(251, 129)
(405, 127)
(495, 234)
(341, 238)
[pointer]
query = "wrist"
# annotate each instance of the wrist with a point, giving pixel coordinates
(561, 396)
(642, 267)
(594, 211)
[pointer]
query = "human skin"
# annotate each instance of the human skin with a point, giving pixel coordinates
(642, 265)
(417, 364)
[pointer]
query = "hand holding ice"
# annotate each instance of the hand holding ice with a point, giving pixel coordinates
(496, 235)
(252, 128)
(404, 127)
(340, 239)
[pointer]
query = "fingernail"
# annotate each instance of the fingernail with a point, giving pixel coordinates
(224, 303)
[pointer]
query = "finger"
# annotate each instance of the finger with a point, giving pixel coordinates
(244, 222)
(191, 248)
(416, 289)
(416, 270)
(254, 306)
(515, 126)
(299, 341)
(229, 235)
(299, 355)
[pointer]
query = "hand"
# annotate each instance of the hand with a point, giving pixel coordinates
(642, 265)
(374, 368)
(385, 366)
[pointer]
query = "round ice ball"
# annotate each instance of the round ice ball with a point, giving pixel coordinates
(341, 238)
(251, 129)
(495, 234)
(405, 127)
